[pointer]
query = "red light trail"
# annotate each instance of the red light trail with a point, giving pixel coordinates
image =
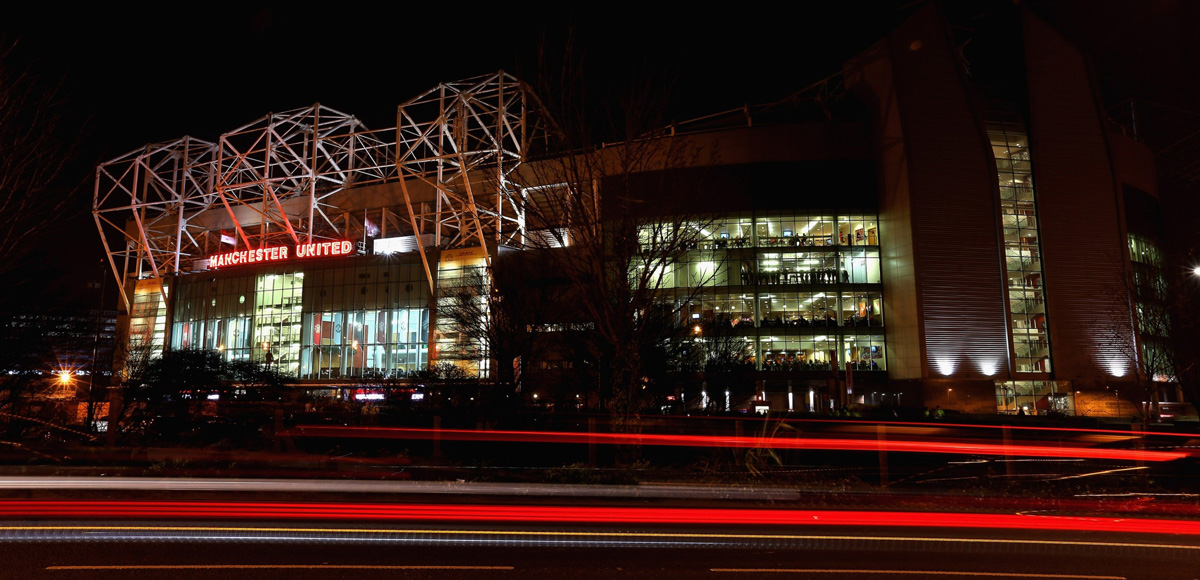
(939, 424)
(193, 510)
(804, 443)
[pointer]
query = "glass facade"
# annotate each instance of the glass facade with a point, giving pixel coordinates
(784, 291)
(1022, 251)
(1150, 301)
(787, 291)
(367, 318)
(462, 275)
(148, 318)
(1035, 397)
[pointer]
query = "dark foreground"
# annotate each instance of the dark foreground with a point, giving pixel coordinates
(801, 499)
(182, 550)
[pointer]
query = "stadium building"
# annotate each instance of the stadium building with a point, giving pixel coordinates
(908, 231)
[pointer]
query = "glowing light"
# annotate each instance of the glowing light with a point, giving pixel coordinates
(64, 377)
(1118, 367)
(214, 396)
(989, 368)
(240, 257)
(945, 366)
(280, 253)
(318, 249)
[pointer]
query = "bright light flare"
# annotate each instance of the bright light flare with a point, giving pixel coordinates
(1117, 367)
(989, 368)
(945, 366)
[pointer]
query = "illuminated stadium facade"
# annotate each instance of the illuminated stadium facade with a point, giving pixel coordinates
(908, 247)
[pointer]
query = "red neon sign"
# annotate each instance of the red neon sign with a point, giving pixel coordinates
(323, 249)
(279, 253)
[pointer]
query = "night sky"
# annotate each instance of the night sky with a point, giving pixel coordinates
(140, 75)
(146, 76)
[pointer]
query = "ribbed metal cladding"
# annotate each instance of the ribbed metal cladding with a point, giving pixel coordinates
(960, 284)
(1082, 239)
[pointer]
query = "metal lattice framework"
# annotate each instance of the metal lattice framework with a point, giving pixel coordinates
(159, 189)
(276, 176)
(162, 208)
(465, 140)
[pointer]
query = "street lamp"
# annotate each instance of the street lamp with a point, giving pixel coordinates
(67, 378)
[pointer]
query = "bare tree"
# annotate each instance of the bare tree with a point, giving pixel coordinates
(1184, 313)
(1146, 354)
(127, 409)
(508, 311)
(25, 354)
(622, 219)
(727, 363)
(37, 145)
(37, 384)
(442, 381)
(1148, 342)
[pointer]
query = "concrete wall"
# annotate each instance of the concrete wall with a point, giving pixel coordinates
(938, 191)
(1083, 241)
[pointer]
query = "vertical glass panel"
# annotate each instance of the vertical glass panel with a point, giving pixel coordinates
(462, 276)
(277, 320)
(148, 318)
(1018, 213)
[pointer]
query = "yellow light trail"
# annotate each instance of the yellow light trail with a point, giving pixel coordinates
(1105, 472)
